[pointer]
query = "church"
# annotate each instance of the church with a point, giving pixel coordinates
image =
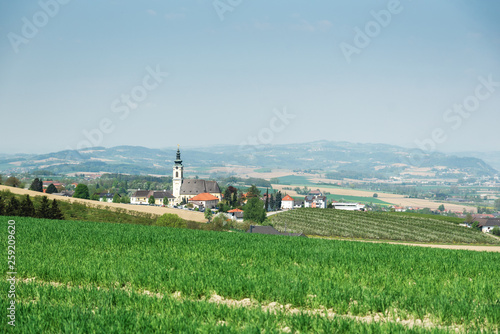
(185, 189)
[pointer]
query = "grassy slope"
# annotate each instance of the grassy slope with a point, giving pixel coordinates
(376, 225)
(79, 211)
(450, 287)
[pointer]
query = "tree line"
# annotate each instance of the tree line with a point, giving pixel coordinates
(25, 208)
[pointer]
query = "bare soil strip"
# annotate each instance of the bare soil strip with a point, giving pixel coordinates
(155, 210)
(477, 248)
(273, 307)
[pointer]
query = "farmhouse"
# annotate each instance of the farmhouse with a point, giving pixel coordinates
(142, 197)
(315, 202)
(235, 214)
(106, 197)
(287, 202)
(186, 189)
(206, 200)
(487, 224)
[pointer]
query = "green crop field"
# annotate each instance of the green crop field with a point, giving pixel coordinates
(97, 277)
(377, 225)
(297, 180)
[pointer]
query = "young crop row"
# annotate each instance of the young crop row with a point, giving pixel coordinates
(372, 225)
(451, 287)
(49, 309)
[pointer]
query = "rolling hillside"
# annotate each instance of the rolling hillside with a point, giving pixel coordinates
(350, 160)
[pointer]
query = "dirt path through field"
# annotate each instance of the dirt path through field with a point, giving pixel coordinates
(156, 210)
(477, 248)
(272, 307)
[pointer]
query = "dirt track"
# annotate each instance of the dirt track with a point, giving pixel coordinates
(184, 214)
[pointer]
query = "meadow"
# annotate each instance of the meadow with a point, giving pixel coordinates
(377, 225)
(83, 276)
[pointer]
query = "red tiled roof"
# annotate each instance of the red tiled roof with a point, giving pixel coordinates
(235, 210)
(287, 198)
(204, 197)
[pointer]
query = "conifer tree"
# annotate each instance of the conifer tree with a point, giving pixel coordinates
(51, 189)
(13, 207)
(27, 207)
(44, 209)
(2, 206)
(278, 200)
(36, 185)
(55, 212)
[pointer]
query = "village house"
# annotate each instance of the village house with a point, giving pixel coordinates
(204, 200)
(487, 224)
(315, 202)
(287, 202)
(107, 197)
(235, 214)
(142, 197)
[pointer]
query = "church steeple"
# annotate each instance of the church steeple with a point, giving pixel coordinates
(177, 176)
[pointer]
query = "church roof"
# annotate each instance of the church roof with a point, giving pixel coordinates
(204, 197)
(196, 186)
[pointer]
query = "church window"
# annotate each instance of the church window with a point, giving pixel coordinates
(176, 174)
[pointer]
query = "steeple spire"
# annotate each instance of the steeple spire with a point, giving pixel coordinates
(178, 160)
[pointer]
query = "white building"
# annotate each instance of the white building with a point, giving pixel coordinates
(349, 206)
(287, 202)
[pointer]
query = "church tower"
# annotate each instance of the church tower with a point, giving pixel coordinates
(177, 176)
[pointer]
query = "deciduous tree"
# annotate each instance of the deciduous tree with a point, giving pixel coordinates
(170, 220)
(116, 198)
(81, 191)
(151, 200)
(208, 214)
(12, 182)
(254, 210)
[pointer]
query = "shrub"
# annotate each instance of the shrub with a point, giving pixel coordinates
(496, 231)
(171, 220)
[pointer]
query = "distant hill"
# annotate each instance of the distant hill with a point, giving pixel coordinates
(356, 160)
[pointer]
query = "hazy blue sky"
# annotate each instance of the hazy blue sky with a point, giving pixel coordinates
(226, 76)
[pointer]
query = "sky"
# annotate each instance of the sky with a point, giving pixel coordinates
(77, 74)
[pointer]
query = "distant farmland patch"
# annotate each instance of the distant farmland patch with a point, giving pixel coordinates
(263, 170)
(296, 180)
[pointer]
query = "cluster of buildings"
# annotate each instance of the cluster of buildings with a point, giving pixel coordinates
(202, 194)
